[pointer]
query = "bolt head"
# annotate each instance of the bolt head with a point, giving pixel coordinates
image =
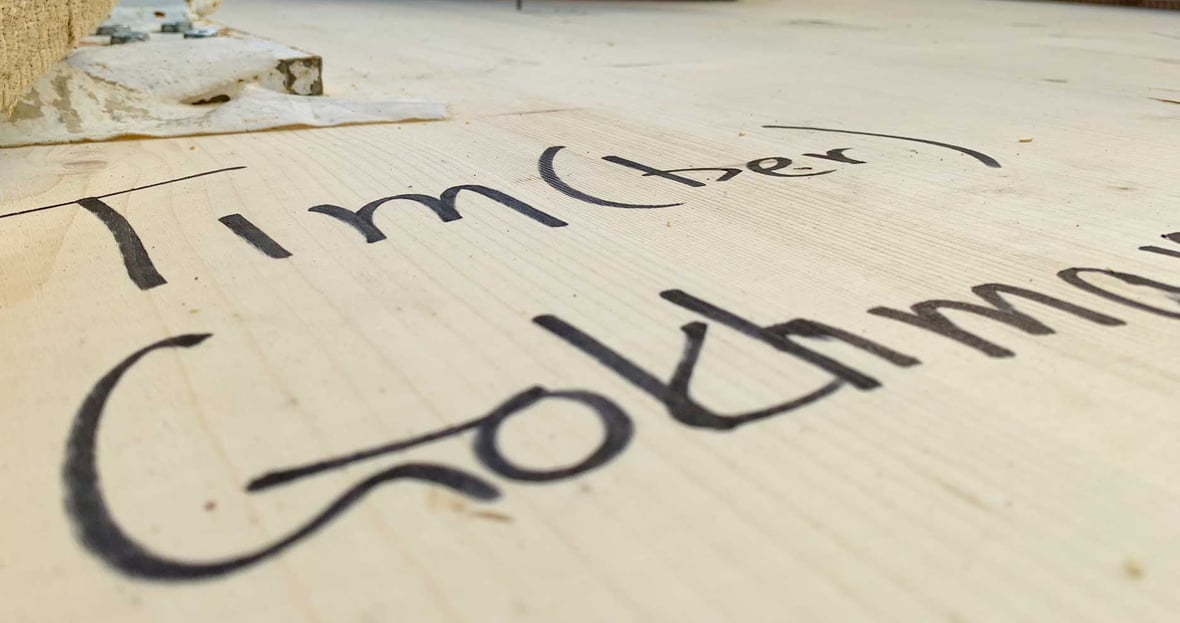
(110, 29)
(202, 33)
(128, 36)
(177, 26)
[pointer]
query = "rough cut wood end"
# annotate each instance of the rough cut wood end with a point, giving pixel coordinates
(34, 34)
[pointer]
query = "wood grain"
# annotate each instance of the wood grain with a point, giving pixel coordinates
(1039, 486)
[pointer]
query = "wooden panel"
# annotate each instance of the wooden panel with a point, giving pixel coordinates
(1011, 166)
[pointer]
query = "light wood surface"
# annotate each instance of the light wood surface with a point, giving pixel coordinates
(972, 486)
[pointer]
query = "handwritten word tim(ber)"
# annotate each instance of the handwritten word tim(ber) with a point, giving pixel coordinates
(141, 269)
(102, 535)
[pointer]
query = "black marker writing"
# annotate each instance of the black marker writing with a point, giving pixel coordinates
(443, 206)
(778, 163)
(257, 238)
(548, 173)
(837, 155)
(1073, 276)
(780, 340)
(674, 394)
(136, 260)
(616, 425)
(669, 174)
(124, 192)
(769, 166)
(143, 273)
(1174, 237)
(101, 534)
(980, 156)
(927, 315)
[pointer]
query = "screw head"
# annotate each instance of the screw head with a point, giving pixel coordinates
(128, 36)
(110, 29)
(178, 26)
(202, 33)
